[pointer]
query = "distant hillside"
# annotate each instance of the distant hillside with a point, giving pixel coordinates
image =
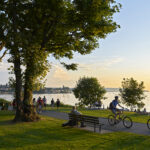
(117, 90)
(112, 89)
(5, 89)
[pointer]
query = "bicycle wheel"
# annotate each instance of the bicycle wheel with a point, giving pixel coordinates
(111, 120)
(127, 122)
(148, 123)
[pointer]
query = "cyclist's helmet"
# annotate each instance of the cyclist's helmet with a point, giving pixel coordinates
(116, 97)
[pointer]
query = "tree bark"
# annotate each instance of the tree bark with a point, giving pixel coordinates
(18, 89)
(17, 67)
(29, 110)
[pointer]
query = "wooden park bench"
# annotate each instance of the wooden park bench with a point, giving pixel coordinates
(86, 120)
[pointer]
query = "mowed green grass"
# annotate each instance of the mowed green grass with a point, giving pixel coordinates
(48, 134)
(104, 113)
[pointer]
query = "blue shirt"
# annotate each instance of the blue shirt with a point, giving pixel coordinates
(115, 103)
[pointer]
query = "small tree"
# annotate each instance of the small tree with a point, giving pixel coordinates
(132, 93)
(88, 91)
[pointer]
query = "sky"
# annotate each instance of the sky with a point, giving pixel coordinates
(123, 54)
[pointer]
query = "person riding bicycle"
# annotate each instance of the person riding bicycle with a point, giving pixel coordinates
(113, 106)
(118, 115)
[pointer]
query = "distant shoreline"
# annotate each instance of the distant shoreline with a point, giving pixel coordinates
(61, 93)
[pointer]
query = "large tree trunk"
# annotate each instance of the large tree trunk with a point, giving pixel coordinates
(17, 67)
(29, 110)
(18, 89)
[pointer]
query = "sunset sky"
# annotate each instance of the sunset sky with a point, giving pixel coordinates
(123, 54)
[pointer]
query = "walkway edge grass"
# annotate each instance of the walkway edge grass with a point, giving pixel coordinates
(104, 113)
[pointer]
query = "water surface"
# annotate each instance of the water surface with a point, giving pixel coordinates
(71, 100)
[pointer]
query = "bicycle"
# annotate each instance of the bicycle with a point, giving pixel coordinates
(127, 121)
(148, 123)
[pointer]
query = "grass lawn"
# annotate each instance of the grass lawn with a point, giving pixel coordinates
(104, 113)
(48, 134)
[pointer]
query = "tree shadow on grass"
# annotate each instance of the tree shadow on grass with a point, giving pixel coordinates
(4, 113)
(111, 141)
(7, 122)
(39, 135)
(6, 118)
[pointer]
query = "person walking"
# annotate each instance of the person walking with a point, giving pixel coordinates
(52, 102)
(14, 104)
(45, 102)
(40, 105)
(58, 103)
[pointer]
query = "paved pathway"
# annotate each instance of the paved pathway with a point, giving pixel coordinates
(138, 128)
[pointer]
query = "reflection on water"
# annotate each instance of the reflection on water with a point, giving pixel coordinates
(71, 100)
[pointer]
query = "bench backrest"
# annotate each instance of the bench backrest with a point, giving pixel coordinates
(90, 119)
(74, 117)
(84, 118)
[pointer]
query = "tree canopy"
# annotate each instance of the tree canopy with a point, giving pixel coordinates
(31, 30)
(132, 93)
(88, 91)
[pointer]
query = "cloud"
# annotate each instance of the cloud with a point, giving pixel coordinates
(105, 64)
(86, 67)
(60, 74)
(112, 61)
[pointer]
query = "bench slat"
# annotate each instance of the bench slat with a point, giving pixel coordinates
(88, 120)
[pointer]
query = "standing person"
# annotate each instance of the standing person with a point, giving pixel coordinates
(14, 104)
(3, 106)
(52, 102)
(40, 105)
(58, 103)
(44, 101)
(100, 103)
(34, 102)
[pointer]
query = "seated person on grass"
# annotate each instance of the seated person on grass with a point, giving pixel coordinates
(73, 122)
